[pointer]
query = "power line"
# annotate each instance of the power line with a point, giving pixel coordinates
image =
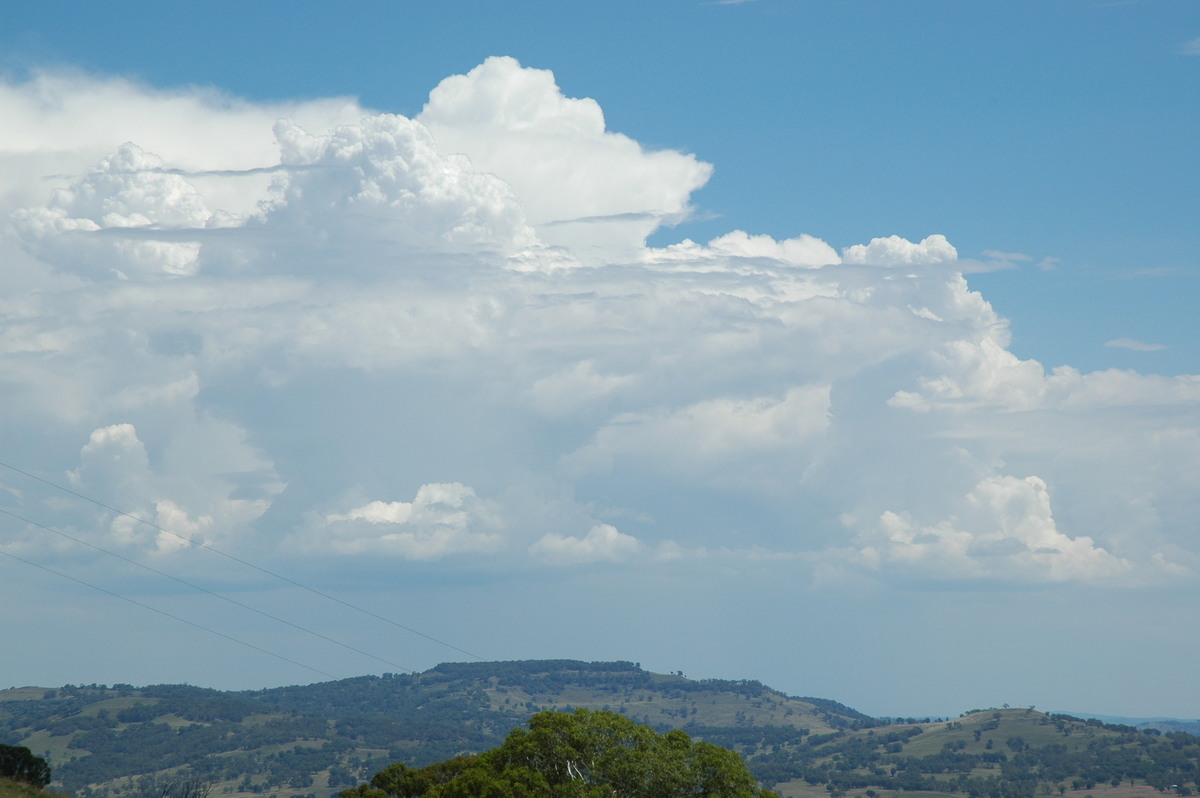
(240, 561)
(167, 614)
(203, 589)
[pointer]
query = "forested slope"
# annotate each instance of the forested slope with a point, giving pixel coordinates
(314, 741)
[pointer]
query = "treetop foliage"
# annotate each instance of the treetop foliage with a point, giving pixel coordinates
(582, 754)
(19, 764)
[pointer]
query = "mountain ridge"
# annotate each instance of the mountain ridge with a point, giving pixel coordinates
(313, 741)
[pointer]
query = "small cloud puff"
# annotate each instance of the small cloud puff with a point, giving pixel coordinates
(442, 519)
(1137, 346)
(804, 250)
(1004, 530)
(602, 543)
(896, 251)
(113, 458)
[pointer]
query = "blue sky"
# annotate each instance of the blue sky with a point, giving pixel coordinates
(848, 346)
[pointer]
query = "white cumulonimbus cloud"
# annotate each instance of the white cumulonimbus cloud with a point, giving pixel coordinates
(242, 319)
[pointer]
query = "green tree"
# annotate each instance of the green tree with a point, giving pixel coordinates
(583, 754)
(400, 781)
(19, 764)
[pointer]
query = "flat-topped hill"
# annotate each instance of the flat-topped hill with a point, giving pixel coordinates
(315, 740)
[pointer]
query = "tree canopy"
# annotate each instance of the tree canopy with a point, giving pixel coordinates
(19, 764)
(583, 754)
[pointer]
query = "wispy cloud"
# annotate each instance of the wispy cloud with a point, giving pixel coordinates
(1191, 48)
(996, 260)
(1151, 271)
(1137, 346)
(996, 254)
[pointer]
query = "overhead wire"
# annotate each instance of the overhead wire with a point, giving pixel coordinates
(168, 614)
(241, 561)
(203, 589)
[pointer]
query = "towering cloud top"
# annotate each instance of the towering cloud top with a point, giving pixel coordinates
(584, 187)
(385, 178)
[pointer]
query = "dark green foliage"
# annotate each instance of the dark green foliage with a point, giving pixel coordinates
(749, 737)
(19, 764)
(835, 709)
(148, 747)
(200, 704)
(583, 754)
(400, 781)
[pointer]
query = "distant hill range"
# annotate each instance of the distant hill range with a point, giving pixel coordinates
(1162, 724)
(316, 740)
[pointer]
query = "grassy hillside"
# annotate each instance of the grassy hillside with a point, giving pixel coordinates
(1002, 753)
(315, 740)
(13, 789)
